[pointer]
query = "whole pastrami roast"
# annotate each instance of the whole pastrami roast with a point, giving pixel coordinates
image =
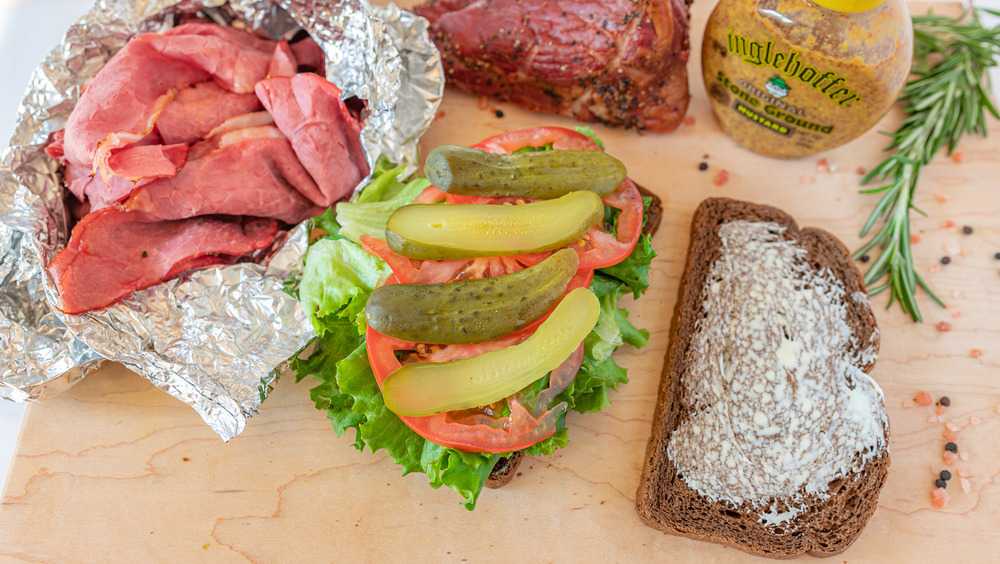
(617, 62)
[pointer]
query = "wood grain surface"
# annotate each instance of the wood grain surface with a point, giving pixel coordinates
(115, 470)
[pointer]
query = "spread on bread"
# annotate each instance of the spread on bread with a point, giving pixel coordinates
(770, 362)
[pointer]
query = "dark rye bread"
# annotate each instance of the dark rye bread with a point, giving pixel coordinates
(664, 500)
(505, 468)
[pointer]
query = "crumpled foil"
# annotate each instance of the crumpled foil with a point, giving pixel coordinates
(215, 338)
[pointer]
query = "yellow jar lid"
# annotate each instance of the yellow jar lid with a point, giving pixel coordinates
(849, 5)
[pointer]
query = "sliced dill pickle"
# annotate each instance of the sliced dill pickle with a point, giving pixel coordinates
(425, 388)
(541, 175)
(470, 311)
(443, 232)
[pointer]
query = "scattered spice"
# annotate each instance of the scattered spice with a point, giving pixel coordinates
(944, 326)
(950, 435)
(945, 259)
(949, 458)
(950, 446)
(945, 475)
(958, 156)
(440, 114)
(964, 456)
(145, 254)
(688, 120)
(975, 420)
(940, 498)
(822, 165)
(946, 223)
(940, 483)
(976, 353)
(861, 170)
(941, 198)
(498, 113)
(934, 268)
(484, 103)
(956, 314)
(914, 239)
(923, 398)
(997, 256)
(966, 486)
(721, 178)
(967, 229)
(941, 410)
(945, 401)
(806, 179)
(703, 166)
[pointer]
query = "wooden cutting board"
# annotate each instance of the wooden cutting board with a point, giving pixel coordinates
(116, 470)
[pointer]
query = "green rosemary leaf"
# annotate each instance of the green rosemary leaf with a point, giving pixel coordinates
(947, 97)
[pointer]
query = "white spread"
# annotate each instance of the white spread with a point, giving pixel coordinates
(779, 404)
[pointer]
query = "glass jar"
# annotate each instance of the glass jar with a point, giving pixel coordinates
(788, 78)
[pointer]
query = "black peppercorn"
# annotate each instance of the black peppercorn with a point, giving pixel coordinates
(945, 260)
(945, 475)
(945, 401)
(703, 166)
(967, 229)
(997, 256)
(145, 254)
(865, 258)
(951, 447)
(498, 113)
(941, 483)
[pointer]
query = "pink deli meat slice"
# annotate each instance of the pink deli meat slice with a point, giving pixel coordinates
(325, 136)
(252, 172)
(198, 109)
(122, 103)
(114, 252)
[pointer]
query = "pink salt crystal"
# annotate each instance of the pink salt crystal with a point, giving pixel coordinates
(934, 268)
(941, 198)
(963, 472)
(939, 497)
(949, 458)
(806, 179)
(952, 427)
(964, 456)
(966, 486)
(907, 403)
(933, 419)
(975, 420)
(951, 246)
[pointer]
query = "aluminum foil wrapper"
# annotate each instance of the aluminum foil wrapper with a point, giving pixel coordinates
(215, 338)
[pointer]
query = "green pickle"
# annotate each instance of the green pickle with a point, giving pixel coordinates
(471, 311)
(541, 175)
(426, 388)
(444, 232)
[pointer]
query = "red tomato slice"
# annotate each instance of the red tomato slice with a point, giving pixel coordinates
(479, 430)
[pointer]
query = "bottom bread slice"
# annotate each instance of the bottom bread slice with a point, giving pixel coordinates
(821, 522)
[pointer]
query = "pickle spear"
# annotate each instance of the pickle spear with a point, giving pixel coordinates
(541, 175)
(443, 232)
(470, 311)
(426, 388)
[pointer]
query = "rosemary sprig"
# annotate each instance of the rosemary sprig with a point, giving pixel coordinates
(947, 97)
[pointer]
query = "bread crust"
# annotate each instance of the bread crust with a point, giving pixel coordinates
(665, 502)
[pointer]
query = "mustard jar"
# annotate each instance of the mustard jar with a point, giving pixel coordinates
(788, 78)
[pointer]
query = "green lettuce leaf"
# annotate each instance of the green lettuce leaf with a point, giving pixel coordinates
(337, 279)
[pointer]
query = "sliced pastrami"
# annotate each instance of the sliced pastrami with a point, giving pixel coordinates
(199, 108)
(114, 252)
(252, 172)
(323, 132)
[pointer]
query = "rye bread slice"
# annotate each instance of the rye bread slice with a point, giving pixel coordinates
(665, 501)
(504, 470)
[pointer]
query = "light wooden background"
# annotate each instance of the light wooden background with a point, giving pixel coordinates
(115, 470)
